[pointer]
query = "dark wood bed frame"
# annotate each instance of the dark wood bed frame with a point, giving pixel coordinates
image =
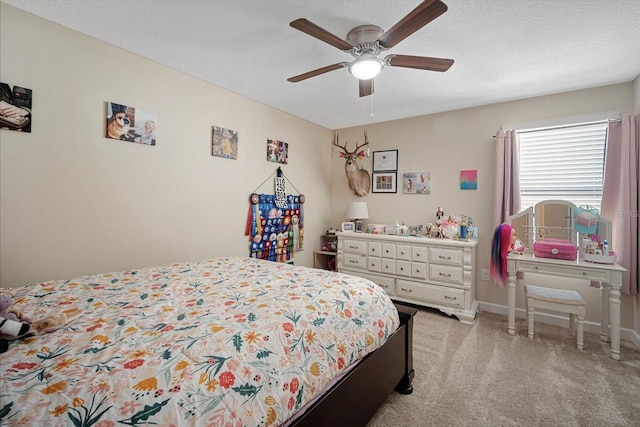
(354, 399)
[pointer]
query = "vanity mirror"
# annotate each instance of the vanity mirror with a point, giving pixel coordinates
(547, 219)
(554, 219)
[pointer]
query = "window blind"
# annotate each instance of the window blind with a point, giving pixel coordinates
(565, 162)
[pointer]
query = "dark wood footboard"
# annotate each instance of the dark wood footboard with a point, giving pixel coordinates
(357, 396)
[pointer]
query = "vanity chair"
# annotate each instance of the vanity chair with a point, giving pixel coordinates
(562, 300)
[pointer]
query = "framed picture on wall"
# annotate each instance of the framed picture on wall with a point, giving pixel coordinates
(385, 160)
(416, 183)
(384, 182)
(15, 104)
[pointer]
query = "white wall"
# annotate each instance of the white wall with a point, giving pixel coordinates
(449, 142)
(73, 202)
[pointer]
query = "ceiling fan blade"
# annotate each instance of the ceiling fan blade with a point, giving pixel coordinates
(366, 87)
(426, 12)
(317, 72)
(320, 33)
(419, 62)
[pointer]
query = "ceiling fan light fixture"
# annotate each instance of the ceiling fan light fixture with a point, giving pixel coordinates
(366, 67)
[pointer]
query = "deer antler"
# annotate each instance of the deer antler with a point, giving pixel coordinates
(335, 142)
(344, 147)
(366, 142)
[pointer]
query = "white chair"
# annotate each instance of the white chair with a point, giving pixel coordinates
(556, 300)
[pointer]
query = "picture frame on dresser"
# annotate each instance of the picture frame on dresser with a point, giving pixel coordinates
(384, 182)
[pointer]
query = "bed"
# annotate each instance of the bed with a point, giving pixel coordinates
(228, 341)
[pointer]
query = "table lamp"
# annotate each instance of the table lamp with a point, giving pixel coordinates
(358, 211)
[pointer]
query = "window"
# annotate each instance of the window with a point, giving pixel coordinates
(564, 162)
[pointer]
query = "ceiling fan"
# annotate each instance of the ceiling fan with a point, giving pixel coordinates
(366, 42)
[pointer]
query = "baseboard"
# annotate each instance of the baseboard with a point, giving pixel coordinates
(625, 334)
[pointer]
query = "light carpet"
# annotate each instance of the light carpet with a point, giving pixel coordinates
(480, 376)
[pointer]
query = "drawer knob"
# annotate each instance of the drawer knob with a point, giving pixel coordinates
(401, 268)
(353, 247)
(401, 253)
(417, 254)
(406, 290)
(417, 270)
(451, 298)
(353, 262)
(387, 251)
(373, 249)
(584, 273)
(444, 257)
(445, 275)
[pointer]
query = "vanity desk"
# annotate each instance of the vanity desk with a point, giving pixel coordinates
(609, 276)
(557, 219)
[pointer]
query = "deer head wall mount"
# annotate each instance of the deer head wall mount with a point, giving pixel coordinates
(359, 179)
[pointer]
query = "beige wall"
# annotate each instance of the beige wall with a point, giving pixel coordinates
(449, 142)
(73, 202)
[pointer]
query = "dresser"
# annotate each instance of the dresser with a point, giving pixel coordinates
(437, 273)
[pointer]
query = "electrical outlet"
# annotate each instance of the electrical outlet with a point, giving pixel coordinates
(485, 274)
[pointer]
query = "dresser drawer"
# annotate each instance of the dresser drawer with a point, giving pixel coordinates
(388, 250)
(388, 266)
(355, 261)
(445, 273)
(435, 294)
(374, 264)
(419, 253)
(386, 283)
(445, 256)
(403, 252)
(586, 273)
(403, 268)
(419, 270)
(355, 246)
(375, 248)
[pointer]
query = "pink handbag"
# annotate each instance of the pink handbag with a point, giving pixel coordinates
(555, 248)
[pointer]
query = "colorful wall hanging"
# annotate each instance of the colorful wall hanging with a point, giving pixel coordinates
(469, 179)
(275, 223)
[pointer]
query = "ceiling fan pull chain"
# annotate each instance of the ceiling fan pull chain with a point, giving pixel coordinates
(371, 115)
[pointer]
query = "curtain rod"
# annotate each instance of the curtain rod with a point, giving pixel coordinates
(561, 126)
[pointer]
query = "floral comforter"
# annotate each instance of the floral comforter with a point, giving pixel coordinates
(229, 341)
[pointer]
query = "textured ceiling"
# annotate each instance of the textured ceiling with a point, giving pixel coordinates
(503, 49)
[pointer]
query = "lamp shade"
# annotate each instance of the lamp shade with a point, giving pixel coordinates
(357, 210)
(366, 67)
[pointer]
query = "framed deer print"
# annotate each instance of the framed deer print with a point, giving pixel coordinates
(385, 160)
(384, 182)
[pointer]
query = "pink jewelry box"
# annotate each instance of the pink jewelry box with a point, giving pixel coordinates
(555, 248)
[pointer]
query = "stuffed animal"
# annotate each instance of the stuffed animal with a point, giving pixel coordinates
(11, 313)
(14, 324)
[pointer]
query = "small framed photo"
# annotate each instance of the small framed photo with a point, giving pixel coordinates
(384, 182)
(385, 160)
(348, 226)
(472, 233)
(371, 228)
(359, 226)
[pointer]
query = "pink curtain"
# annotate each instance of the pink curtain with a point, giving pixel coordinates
(620, 195)
(507, 180)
